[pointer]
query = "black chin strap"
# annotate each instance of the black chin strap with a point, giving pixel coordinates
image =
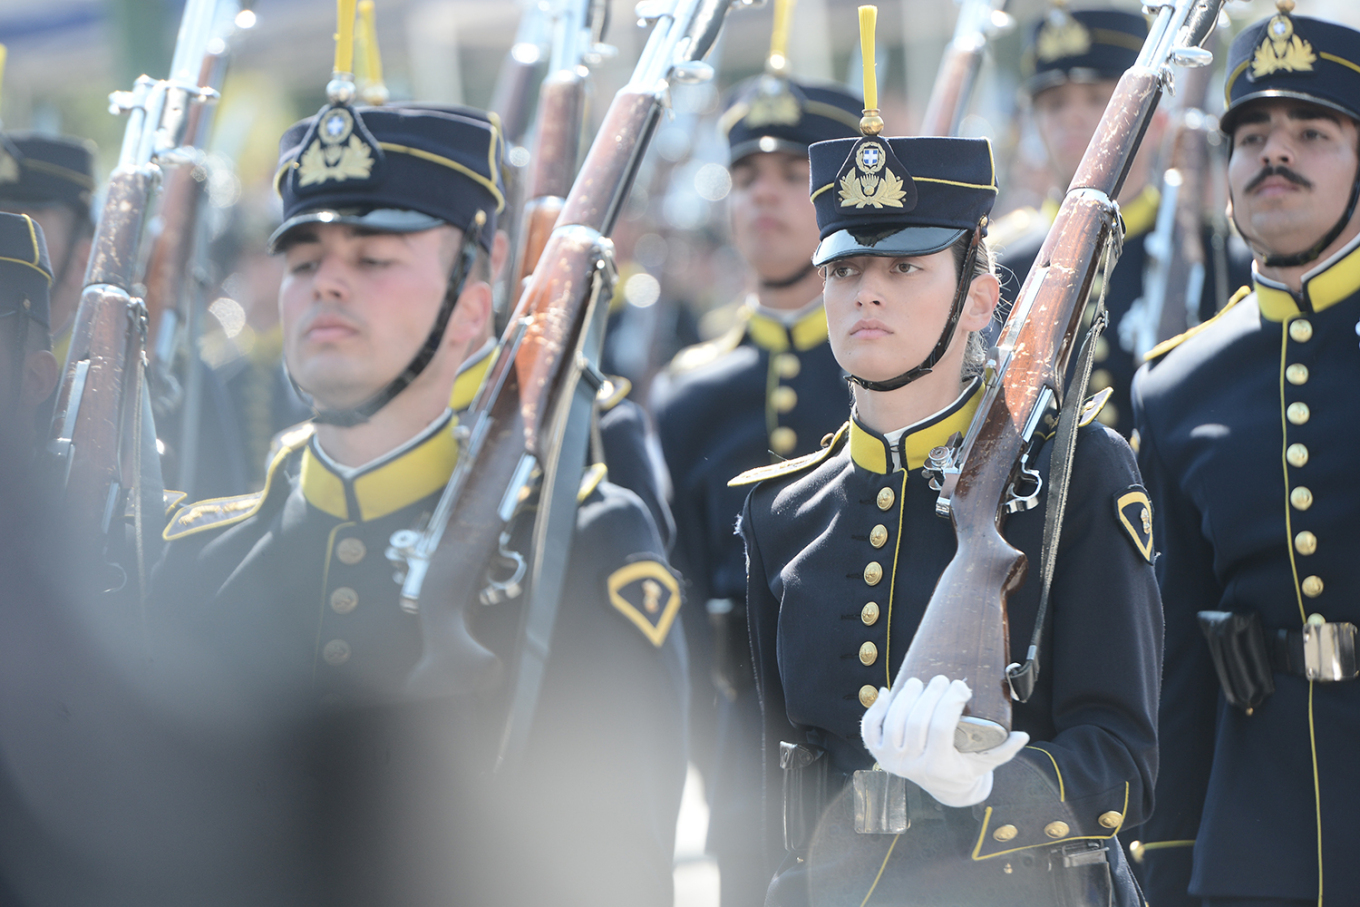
(348, 418)
(955, 313)
(789, 281)
(1313, 251)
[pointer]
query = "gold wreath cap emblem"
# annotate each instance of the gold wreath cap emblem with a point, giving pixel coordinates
(868, 184)
(337, 153)
(773, 105)
(1281, 50)
(1061, 36)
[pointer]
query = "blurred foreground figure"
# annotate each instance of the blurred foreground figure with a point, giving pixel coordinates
(766, 391)
(282, 624)
(1247, 439)
(28, 371)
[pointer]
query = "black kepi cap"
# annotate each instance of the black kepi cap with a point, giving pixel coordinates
(25, 273)
(899, 196)
(41, 170)
(1084, 45)
(1297, 57)
(772, 113)
(397, 169)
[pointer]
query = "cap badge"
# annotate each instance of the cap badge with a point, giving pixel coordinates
(1061, 36)
(869, 183)
(773, 105)
(9, 167)
(337, 153)
(1282, 50)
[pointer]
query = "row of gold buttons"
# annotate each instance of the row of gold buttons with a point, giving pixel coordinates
(1296, 454)
(344, 599)
(873, 575)
(783, 439)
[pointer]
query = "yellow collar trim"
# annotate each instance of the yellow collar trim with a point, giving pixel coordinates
(1141, 214)
(385, 488)
(470, 377)
(871, 451)
(1333, 281)
(808, 331)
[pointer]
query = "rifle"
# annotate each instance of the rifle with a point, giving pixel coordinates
(963, 633)
(577, 30)
(534, 409)
(103, 434)
(1173, 279)
(978, 20)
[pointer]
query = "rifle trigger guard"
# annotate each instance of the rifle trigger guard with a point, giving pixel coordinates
(500, 590)
(1017, 502)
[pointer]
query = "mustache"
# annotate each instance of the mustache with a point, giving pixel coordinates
(1268, 171)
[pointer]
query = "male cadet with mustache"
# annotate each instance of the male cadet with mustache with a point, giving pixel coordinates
(767, 391)
(284, 600)
(1077, 58)
(1247, 435)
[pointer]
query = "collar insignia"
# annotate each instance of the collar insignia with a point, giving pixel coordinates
(1282, 50)
(773, 105)
(873, 177)
(338, 150)
(1061, 36)
(9, 167)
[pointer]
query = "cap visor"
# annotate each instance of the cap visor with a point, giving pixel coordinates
(1228, 121)
(383, 220)
(766, 144)
(907, 241)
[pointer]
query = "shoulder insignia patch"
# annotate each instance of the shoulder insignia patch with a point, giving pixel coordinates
(1171, 343)
(612, 392)
(212, 514)
(1134, 512)
(1093, 405)
(646, 593)
(797, 464)
(701, 354)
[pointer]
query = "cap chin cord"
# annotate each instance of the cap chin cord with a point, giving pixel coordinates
(348, 418)
(955, 313)
(789, 281)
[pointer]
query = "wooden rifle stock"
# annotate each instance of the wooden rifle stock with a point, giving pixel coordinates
(960, 64)
(561, 108)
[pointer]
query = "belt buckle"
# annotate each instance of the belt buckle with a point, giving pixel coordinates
(1329, 651)
(880, 803)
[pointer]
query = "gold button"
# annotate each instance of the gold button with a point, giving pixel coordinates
(1297, 413)
(1005, 833)
(1297, 455)
(1056, 829)
(784, 399)
(1301, 498)
(873, 573)
(344, 600)
(1316, 620)
(783, 440)
(788, 365)
(1300, 330)
(868, 615)
(885, 499)
(1312, 586)
(1110, 819)
(1305, 543)
(1100, 379)
(878, 536)
(868, 654)
(350, 551)
(1102, 351)
(336, 652)
(868, 695)
(1297, 373)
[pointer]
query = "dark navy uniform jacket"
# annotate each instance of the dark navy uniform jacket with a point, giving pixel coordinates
(1247, 433)
(845, 550)
(287, 596)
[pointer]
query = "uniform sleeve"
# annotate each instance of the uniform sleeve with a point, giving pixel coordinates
(762, 610)
(1190, 686)
(1098, 759)
(633, 456)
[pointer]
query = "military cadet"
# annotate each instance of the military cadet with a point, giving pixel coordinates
(844, 549)
(767, 390)
(51, 179)
(286, 595)
(1246, 434)
(28, 371)
(1075, 59)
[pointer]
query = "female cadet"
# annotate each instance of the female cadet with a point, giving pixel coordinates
(844, 551)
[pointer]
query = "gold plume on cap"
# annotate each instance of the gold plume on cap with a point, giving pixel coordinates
(871, 123)
(344, 37)
(372, 89)
(778, 60)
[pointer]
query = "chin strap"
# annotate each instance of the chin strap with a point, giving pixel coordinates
(789, 281)
(347, 418)
(955, 313)
(1313, 251)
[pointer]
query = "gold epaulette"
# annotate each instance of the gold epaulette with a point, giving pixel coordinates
(797, 464)
(1093, 404)
(172, 500)
(217, 513)
(292, 438)
(1171, 343)
(612, 392)
(692, 357)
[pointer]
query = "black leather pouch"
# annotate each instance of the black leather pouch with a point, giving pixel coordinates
(804, 792)
(1237, 645)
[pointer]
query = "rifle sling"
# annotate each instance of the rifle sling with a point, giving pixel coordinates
(1024, 678)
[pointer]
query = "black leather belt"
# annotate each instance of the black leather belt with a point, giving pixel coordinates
(1320, 651)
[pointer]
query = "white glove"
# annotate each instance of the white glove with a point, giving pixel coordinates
(910, 731)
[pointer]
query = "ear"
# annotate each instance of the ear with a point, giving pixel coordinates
(40, 378)
(80, 261)
(471, 315)
(983, 295)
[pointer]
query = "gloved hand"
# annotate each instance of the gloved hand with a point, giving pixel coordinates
(910, 732)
